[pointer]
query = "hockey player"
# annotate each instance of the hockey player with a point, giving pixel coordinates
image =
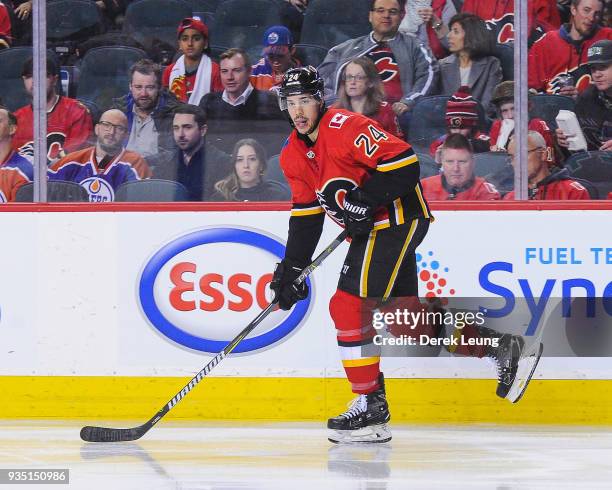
(343, 164)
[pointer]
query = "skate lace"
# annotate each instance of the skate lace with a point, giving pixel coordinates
(356, 407)
(504, 370)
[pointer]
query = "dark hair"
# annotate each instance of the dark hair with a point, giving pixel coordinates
(375, 93)
(230, 53)
(229, 186)
(196, 111)
(146, 67)
(402, 4)
(11, 117)
(478, 41)
(575, 3)
(28, 67)
(457, 141)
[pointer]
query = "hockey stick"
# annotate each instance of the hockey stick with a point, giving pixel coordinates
(105, 434)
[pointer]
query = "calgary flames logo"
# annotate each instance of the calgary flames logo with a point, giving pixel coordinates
(331, 197)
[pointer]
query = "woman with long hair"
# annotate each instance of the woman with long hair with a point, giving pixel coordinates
(246, 181)
(470, 63)
(361, 90)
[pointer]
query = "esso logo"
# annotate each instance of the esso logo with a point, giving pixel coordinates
(203, 288)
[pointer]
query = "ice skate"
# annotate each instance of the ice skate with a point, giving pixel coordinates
(364, 421)
(515, 365)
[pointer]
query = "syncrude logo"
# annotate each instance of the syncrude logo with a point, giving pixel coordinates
(203, 288)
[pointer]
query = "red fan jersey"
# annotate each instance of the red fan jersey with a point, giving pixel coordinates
(349, 149)
(15, 171)
(5, 26)
(558, 190)
(555, 54)
(388, 120)
(388, 71)
(435, 188)
(182, 87)
(499, 15)
(69, 126)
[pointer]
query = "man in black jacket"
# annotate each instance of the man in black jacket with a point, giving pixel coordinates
(149, 110)
(194, 164)
(594, 105)
(240, 111)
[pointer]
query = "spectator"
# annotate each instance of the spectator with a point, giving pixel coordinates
(69, 123)
(148, 109)
(102, 168)
(361, 91)
(193, 163)
(543, 16)
(193, 74)
(544, 184)
(15, 169)
(278, 57)
(239, 110)
(562, 54)
(470, 62)
(594, 105)
(428, 20)
(462, 118)
(112, 11)
(406, 67)
(503, 99)
(5, 26)
(246, 181)
(457, 180)
(292, 15)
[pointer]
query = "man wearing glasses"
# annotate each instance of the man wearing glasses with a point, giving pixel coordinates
(406, 67)
(102, 168)
(544, 184)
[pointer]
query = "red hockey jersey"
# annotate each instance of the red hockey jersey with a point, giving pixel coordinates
(554, 54)
(5, 26)
(349, 149)
(69, 126)
(183, 86)
(561, 190)
(499, 15)
(435, 189)
(15, 171)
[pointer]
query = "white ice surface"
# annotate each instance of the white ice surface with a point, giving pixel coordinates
(228, 456)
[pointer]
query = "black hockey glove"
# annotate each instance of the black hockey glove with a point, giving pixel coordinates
(358, 214)
(286, 294)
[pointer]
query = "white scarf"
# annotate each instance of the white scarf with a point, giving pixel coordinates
(202, 80)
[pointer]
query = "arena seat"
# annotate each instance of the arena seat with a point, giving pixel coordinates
(57, 191)
(427, 165)
(274, 171)
(331, 22)
(547, 106)
(505, 54)
(242, 23)
(12, 92)
(490, 162)
(428, 121)
(104, 73)
(310, 54)
(152, 21)
(151, 190)
(594, 167)
(208, 6)
(70, 22)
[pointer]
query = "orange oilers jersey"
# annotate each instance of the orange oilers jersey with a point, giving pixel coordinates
(349, 149)
(15, 171)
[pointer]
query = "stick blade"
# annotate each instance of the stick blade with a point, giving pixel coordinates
(105, 434)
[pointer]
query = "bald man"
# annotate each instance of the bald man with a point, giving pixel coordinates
(102, 168)
(544, 184)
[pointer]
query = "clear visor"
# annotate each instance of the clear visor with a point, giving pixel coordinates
(287, 102)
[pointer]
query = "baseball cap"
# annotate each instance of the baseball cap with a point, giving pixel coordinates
(277, 40)
(462, 109)
(192, 23)
(600, 53)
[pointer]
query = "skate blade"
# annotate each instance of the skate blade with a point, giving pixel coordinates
(526, 368)
(371, 434)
